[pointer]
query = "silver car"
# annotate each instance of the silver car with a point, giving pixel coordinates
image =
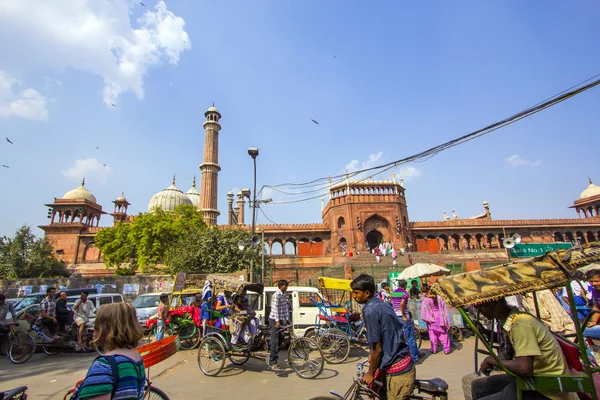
(146, 305)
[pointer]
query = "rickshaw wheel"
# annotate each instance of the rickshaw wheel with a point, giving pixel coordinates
(455, 334)
(305, 358)
(418, 337)
(211, 356)
(238, 359)
(335, 346)
(189, 336)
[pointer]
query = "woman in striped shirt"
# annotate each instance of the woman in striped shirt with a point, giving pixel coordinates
(118, 375)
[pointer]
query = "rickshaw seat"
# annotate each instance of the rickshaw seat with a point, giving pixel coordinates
(432, 385)
(571, 352)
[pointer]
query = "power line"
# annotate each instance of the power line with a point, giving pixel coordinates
(429, 153)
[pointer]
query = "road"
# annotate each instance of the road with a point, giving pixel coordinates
(50, 377)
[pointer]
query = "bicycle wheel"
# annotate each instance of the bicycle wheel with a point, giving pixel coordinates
(418, 337)
(324, 398)
(305, 358)
(156, 394)
(189, 336)
(52, 348)
(21, 348)
(238, 359)
(455, 334)
(335, 346)
(211, 356)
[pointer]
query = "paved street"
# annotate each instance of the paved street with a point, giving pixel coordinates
(49, 377)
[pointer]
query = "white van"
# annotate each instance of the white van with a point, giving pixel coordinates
(302, 309)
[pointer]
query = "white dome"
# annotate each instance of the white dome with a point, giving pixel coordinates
(591, 191)
(80, 193)
(194, 195)
(168, 199)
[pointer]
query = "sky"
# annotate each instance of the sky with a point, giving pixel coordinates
(115, 91)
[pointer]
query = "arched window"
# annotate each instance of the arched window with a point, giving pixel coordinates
(341, 222)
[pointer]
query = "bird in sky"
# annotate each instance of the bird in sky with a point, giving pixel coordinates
(5, 166)
(98, 147)
(8, 140)
(142, 4)
(314, 121)
(104, 165)
(113, 104)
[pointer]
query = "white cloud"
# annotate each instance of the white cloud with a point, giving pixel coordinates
(356, 165)
(90, 169)
(406, 172)
(93, 36)
(515, 161)
(409, 172)
(26, 103)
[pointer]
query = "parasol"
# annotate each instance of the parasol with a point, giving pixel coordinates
(423, 270)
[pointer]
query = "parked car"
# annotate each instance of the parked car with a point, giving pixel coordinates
(303, 310)
(97, 298)
(146, 305)
(36, 298)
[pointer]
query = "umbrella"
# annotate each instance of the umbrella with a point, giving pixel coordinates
(422, 270)
(588, 267)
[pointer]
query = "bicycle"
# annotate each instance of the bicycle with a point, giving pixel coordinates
(19, 393)
(65, 340)
(21, 344)
(304, 355)
(434, 389)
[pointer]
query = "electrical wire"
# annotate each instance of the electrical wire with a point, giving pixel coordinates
(429, 153)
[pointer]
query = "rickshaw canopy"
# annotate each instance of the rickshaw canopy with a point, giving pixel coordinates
(545, 272)
(335, 284)
(232, 284)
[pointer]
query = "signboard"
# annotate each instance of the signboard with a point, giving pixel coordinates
(179, 282)
(536, 249)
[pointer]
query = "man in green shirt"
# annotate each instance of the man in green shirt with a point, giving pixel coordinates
(536, 352)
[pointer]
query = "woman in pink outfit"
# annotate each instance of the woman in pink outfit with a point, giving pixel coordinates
(435, 313)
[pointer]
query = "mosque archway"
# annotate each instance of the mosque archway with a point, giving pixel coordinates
(374, 238)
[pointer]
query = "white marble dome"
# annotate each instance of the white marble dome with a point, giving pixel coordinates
(80, 193)
(193, 194)
(169, 198)
(591, 191)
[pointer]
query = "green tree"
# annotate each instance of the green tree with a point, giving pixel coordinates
(212, 250)
(145, 240)
(26, 256)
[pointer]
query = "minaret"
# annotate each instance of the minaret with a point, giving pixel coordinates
(240, 206)
(210, 167)
(230, 208)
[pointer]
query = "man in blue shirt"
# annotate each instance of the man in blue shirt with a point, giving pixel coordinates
(389, 351)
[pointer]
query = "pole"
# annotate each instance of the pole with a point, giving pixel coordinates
(262, 252)
(254, 199)
(253, 220)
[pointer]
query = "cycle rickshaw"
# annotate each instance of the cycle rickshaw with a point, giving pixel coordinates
(555, 269)
(304, 355)
(339, 323)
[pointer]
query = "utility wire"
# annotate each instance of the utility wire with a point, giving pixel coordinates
(427, 154)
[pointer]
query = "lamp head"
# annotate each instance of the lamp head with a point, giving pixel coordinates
(253, 152)
(246, 193)
(241, 245)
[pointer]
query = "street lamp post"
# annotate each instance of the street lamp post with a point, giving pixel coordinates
(253, 152)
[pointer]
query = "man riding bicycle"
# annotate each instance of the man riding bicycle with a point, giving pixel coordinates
(48, 310)
(5, 308)
(84, 310)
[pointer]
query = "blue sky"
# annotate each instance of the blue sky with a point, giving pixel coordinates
(384, 81)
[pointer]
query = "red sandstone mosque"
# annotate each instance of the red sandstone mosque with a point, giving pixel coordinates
(358, 215)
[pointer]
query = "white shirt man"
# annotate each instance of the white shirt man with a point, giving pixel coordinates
(83, 309)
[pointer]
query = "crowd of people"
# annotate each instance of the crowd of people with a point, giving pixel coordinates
(527, 344)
